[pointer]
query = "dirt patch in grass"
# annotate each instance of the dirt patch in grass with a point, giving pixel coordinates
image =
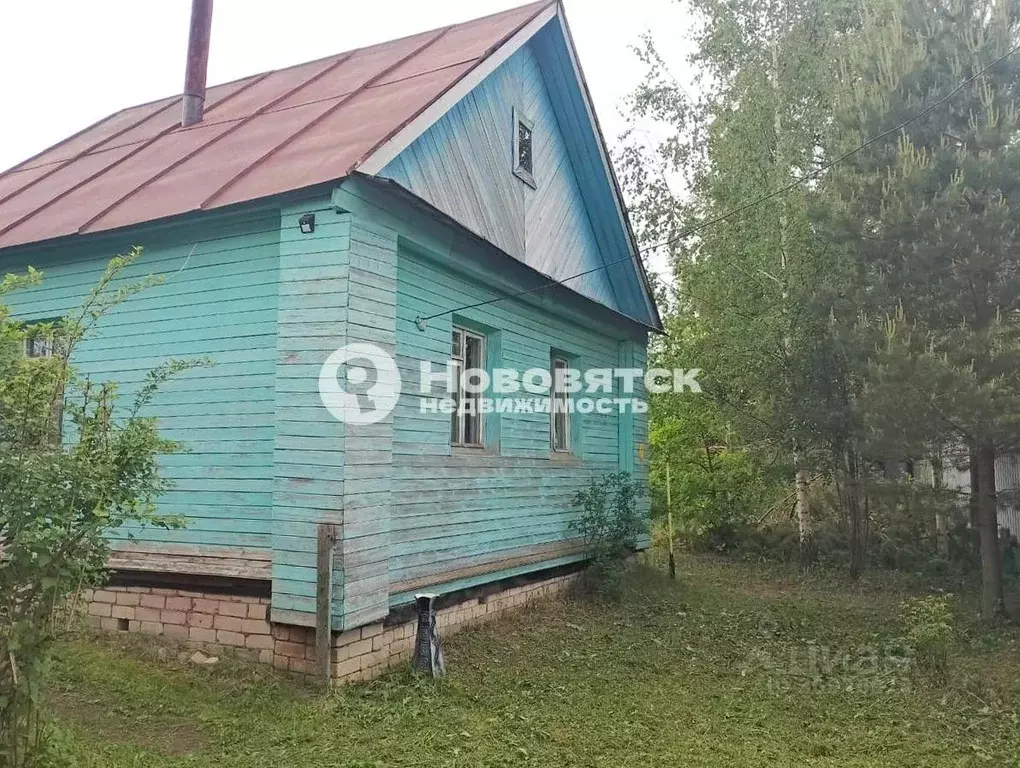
(95, 720)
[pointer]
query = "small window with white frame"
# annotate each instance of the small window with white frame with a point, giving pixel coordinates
(466, 420)
(39, 345)
(559, 419)
(42, 340)
(524, 149)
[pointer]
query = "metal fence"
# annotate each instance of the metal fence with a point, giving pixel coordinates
(1007, 482)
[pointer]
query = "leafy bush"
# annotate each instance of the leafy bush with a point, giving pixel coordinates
(717, 487)
(930, 631)
(71, 469)
(611, 524)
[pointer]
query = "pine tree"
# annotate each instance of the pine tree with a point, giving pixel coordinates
(931, 214)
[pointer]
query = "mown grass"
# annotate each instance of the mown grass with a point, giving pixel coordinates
(732, 665)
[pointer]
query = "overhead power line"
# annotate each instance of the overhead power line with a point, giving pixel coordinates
(421, 322)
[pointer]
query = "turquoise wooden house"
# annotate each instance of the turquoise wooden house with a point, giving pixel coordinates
(452, 175)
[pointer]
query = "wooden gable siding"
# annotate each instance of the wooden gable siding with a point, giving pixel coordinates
(461, 517)
(591, 166)
(218, 301)
(463, 166)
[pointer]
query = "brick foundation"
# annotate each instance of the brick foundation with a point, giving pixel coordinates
(241, 625)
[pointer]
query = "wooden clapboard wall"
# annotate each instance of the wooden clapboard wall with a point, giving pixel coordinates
(218, 301)
(463, 516)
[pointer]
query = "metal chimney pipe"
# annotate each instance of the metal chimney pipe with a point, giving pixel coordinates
(198, 62)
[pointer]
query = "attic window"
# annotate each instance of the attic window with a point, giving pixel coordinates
(524, 156)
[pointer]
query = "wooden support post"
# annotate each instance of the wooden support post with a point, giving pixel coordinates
(324, 604)
(669, 523)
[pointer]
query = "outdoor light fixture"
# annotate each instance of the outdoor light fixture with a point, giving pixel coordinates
(307, 223)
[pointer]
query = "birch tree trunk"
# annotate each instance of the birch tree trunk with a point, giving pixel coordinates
(803, 502)
(801, 477)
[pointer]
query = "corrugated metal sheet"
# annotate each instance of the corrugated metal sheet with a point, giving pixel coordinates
(263, 135)
(1007, 482)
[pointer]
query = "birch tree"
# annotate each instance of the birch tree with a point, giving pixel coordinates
(761, 283)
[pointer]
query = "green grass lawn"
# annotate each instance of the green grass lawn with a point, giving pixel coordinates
(732, 665)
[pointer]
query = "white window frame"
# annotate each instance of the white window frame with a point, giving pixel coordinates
(458, 420)
(522, 173)
(49, 347)
(559, 394)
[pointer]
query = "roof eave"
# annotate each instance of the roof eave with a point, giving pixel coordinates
(389, 186)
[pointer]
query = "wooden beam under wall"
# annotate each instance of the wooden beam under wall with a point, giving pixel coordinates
(228, 562)
(456, 570)
(324, 602)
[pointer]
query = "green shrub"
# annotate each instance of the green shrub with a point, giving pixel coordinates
(73, 466)
(930, 631)
(611, 525)
(717, 486)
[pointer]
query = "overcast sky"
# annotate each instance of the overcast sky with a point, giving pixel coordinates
(64, 64)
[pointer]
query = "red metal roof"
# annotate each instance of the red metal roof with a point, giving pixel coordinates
(259, 136)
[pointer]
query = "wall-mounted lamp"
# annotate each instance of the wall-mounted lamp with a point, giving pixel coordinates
(307, 223)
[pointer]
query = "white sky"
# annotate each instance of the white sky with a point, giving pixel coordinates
(64, 64)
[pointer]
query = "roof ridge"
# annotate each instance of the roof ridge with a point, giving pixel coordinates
(512, 9)
(58, 164)
(21, 166)
(540, 6)
(100, 148)
(543, 3)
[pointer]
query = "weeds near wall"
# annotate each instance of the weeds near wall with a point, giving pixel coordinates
(611, 525)
(76, 461)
